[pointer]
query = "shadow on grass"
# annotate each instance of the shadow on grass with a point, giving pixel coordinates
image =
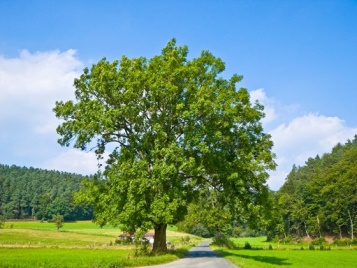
(265, 259)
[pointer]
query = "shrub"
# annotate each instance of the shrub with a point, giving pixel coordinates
(247, 245)
(58, 220)
(185, 240)
(125, 241)
(342, 242)
(270, 247)
(276, 239)
(311, 247)
(287, 239)
(318, 241)
(223, 241)
(200, 230)
(2, 222)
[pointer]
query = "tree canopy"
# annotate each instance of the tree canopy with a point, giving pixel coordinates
(172, 127)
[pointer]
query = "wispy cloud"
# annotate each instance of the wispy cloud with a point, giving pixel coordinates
(300, 137)
(32, 82)
(74, 160)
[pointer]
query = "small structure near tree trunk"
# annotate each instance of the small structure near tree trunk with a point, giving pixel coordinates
(126, 237)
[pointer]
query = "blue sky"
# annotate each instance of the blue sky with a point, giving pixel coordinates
(298, 58)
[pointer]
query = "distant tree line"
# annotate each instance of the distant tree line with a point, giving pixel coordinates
(318, 198)
(40, 194)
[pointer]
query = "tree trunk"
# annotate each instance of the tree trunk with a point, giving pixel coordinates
(340, 231)
(159, 239)
(318, 225)
(307, 233)
(351, 223)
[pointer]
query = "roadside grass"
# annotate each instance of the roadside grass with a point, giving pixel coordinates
(261, 243)
(290, 258)
(268, 254)
(78, 258)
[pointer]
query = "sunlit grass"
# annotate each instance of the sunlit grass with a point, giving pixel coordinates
(291, 258)
(269, 254)
(78, 244)
(76, 258)
(51, 238)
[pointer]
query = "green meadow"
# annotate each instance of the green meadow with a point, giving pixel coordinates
(78, 244)
(26, 244)
(288, 255)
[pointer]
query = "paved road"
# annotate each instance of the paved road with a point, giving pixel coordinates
(200, 256)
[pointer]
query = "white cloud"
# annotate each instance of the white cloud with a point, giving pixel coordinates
(74, 160)
(31, 83)
(304, 137)
(269, 104)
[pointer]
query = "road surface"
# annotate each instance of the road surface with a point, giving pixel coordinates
(200, 256)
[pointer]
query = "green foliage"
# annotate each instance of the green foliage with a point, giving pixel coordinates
(311, 247)
(342, 242)
(141, 246)
(318, 198)
(247, 245)
(222, 240)
(36, 193)
(200, 230)
(2, 222)
(175, 128)
(58, 220)
(185, 240)
(319, 241)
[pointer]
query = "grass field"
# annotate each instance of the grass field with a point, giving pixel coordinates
(25, 244)
(291, 258)
(79, 244)
(287, 255)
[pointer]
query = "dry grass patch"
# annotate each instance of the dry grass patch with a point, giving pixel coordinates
(52, 238)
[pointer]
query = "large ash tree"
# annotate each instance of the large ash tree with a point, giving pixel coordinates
(173, 127)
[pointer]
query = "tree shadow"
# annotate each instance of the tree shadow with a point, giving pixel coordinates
(266, 259)
(200, 251)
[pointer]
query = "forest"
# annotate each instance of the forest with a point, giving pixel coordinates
(318, 199)
(32, 193)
